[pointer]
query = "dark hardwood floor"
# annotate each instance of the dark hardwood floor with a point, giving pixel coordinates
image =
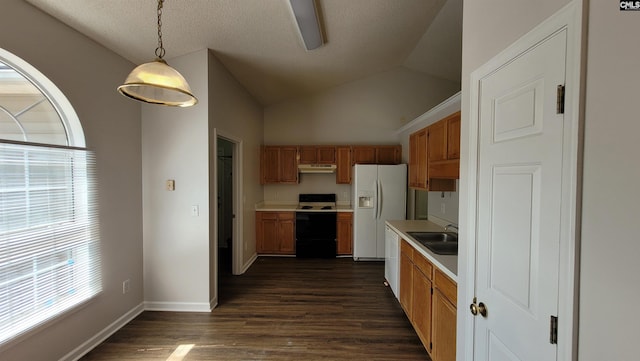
(280, 309)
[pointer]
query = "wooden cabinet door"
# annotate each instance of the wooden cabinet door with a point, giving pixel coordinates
(453, 136)
(388, 154)
(270, 165)
(344, 233)
(363, 154)
(267, 232)
(343, 165)
(326, 154)
(413, 160)
(421, 316)
(418, 159)
(308, 154)
(437, 141)
(286, 233)
(406, 284)
(444, 328)
(288, 165)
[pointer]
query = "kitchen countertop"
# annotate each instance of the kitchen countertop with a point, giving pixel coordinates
(292, 207)
(447, 263)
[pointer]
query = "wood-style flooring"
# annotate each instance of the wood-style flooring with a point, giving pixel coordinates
(280, 309)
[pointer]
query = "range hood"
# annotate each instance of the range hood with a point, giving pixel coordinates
(316, 168)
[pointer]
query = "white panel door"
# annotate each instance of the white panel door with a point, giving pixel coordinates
(519, 180)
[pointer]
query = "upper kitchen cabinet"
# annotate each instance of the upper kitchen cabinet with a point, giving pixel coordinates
(434, 155)
(376, 154)
(343, 164)
(279, 164)
(317, 154)
(444, 148)
(418, 159)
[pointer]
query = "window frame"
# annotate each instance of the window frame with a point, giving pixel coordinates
(80, 177)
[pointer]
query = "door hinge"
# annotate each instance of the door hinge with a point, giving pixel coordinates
(553, 330)
(560, 100)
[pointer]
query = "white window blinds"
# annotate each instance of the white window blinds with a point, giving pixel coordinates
(49, 245)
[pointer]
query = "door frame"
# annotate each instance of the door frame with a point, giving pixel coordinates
(237, 239)
(569, 18)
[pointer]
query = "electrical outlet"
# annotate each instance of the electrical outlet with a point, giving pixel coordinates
(125, 287)
(442, 208)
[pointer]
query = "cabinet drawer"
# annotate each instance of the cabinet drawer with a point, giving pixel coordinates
(446, 286)
(423, 264)
(406, 249)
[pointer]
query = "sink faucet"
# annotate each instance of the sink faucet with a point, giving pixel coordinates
(446, 228)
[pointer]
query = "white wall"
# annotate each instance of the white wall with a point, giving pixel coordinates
(111, 126)
(369, 110)
(610, 270)
(175, 145)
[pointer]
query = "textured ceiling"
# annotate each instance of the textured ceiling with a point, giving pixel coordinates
(258, 41)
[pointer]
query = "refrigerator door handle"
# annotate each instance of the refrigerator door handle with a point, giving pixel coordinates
(375, 205)
(379, 200)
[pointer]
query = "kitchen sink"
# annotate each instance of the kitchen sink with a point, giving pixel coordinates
(445, 243)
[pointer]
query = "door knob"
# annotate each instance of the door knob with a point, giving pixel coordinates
(479, 308)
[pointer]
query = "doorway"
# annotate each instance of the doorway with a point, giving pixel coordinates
(225, 206)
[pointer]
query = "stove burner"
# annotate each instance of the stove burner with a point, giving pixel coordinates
(327, 207)
(306, 207)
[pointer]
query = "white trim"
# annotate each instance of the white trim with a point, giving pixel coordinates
(178, 306)
(238, 197)
(101, 336)
(448, 106)
(569, 18)
(250, 262)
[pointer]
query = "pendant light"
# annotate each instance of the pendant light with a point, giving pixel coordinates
(156, 82)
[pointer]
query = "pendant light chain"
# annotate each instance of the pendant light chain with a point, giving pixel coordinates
(160, 49)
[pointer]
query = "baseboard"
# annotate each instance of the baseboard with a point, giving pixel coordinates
(177, 306)
(246, 266)
(98, 338)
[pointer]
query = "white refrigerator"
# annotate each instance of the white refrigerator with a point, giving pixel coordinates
(379, 194)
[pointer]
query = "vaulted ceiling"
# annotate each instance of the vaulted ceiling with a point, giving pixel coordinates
(258, 40)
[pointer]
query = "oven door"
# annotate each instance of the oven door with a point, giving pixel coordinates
(316, 234)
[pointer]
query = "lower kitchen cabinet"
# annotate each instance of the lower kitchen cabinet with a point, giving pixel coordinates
(444, 328)
(428, 298)
(344, 233)
(406, 278)
(275, 232)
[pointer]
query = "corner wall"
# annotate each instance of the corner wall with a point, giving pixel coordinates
(235, 113)
(175, 145)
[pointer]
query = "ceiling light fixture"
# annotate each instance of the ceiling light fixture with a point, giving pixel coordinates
(308, 22)
(156, 82)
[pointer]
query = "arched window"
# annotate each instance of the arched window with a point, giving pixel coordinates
(49, 246)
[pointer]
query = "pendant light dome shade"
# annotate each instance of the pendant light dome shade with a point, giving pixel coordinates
(158, 83)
